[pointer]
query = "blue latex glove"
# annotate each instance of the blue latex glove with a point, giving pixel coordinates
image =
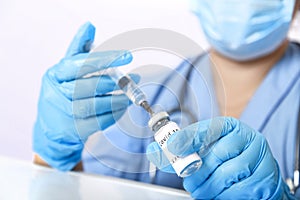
(237, 161)
(71, 108)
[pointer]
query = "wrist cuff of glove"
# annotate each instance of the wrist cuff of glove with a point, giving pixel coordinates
(66, 163)
(58, 154)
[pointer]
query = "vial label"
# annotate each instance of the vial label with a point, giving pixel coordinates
(162, 136)
(164, 133)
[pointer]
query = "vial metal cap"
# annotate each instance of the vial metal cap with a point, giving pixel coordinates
(156, 118)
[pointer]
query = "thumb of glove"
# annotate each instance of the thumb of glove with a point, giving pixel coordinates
(82, 41)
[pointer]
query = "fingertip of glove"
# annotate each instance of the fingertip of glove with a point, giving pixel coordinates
(227, 124)
(122, 57)
(176, 143)
(152, 148)
(87, 25)
(152, 152)
(89, 30)
(112, 58)
(83, 39)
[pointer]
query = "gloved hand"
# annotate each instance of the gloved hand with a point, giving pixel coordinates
(237, 161)
(71, 108)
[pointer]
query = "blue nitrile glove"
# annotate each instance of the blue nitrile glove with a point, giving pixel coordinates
(71, 108)
(238, 164)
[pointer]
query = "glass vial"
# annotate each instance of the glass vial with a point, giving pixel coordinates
(162, 126)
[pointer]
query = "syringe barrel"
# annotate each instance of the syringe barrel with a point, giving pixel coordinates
(129, 87)
(134, 93)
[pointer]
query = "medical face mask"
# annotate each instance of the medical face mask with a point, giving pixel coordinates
(244, 29)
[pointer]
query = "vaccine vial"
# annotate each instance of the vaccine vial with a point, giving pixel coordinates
(162, 126)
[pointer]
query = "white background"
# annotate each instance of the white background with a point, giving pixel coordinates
(35, 34)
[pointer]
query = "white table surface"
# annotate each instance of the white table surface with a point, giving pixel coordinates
(24, 180)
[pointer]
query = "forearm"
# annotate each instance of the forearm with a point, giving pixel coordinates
(39, 161)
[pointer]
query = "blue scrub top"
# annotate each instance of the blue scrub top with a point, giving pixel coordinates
(120, 150)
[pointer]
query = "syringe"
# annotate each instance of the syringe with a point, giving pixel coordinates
(127, 85)
(133, 92)
(159, 122)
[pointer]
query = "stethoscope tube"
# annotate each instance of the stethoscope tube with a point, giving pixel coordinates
(296, 174)
(293, 182)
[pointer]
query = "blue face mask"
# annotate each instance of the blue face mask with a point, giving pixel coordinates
(244, 30)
